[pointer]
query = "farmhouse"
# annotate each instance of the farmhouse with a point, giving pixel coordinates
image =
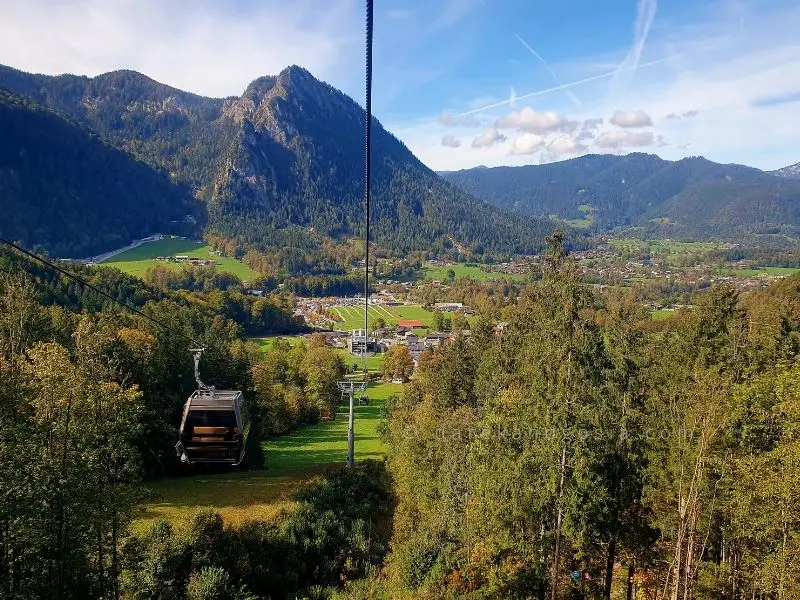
(449, 306)
(435, 339)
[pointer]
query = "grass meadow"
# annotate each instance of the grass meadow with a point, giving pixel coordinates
(137, 260)
(465, 270)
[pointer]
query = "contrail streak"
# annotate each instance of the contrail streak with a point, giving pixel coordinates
(572, 84)
(549, 69)
(645, 15)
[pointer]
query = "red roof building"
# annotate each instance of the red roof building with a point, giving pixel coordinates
(411, 324)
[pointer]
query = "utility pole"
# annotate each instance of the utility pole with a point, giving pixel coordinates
(350, 387)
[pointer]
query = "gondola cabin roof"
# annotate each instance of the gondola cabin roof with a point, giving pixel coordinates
(220, 399)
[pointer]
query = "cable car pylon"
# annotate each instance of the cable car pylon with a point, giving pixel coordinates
(350, 388)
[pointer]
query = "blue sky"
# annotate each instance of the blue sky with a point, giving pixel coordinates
(470, 82)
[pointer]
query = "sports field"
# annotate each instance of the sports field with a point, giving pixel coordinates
(353, 316)
(291, 461)
(464, 270)
(137, 260)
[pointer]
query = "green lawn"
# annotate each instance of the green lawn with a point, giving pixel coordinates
(137, 260)
(266, 342)
(326, 443)
(757, 271)
(292, 461)
(669, 247)
(463, 270)
(374, 362)
(579, 223)
(238, 496)
(658, 315)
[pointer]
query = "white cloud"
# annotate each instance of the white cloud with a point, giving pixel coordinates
(589, 128)
(448, 120)
(565, 145)
(199, 46)
(488, 138)
(532, 121)
(616, 139)
(698, 65)
(527, 143)
(631, 118)
(689, 114)
(450, 141)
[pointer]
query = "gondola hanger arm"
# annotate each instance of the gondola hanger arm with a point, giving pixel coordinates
(198, 352)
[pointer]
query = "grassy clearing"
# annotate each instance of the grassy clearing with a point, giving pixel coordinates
(374, 362)
(463, 270)
(785, 271)
(292, 461)
(266, 342)
(781, 270)
(579, 223)
(658, 315)
(237, 496)
(326, 443)
(668, 247)
(137, 260)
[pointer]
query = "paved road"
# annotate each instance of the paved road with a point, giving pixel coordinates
(106, 255)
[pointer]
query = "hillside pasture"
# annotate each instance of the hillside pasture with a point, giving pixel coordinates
(475, 271)
(137, 260)
(755, 272)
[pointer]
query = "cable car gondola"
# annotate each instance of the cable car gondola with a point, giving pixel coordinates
(215, 425)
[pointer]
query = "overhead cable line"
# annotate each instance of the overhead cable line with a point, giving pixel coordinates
(86, 284)
(367, 151)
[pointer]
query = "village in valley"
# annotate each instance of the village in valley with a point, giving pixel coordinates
(392, 322)
(442, 298)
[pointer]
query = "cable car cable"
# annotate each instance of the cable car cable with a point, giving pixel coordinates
(367, 171)
(96, 289)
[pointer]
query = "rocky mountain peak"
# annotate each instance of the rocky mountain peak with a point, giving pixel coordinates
(790, 172)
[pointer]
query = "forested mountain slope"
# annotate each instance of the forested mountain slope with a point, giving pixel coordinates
(64, 190)
(288, 153)
(691, 196)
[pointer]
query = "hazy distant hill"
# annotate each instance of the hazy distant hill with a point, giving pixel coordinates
(693, 196)
(287, 152)
(64, 190)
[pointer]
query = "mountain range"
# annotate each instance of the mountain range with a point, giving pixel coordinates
(279, 167)
(689, 197)
(88, 164)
